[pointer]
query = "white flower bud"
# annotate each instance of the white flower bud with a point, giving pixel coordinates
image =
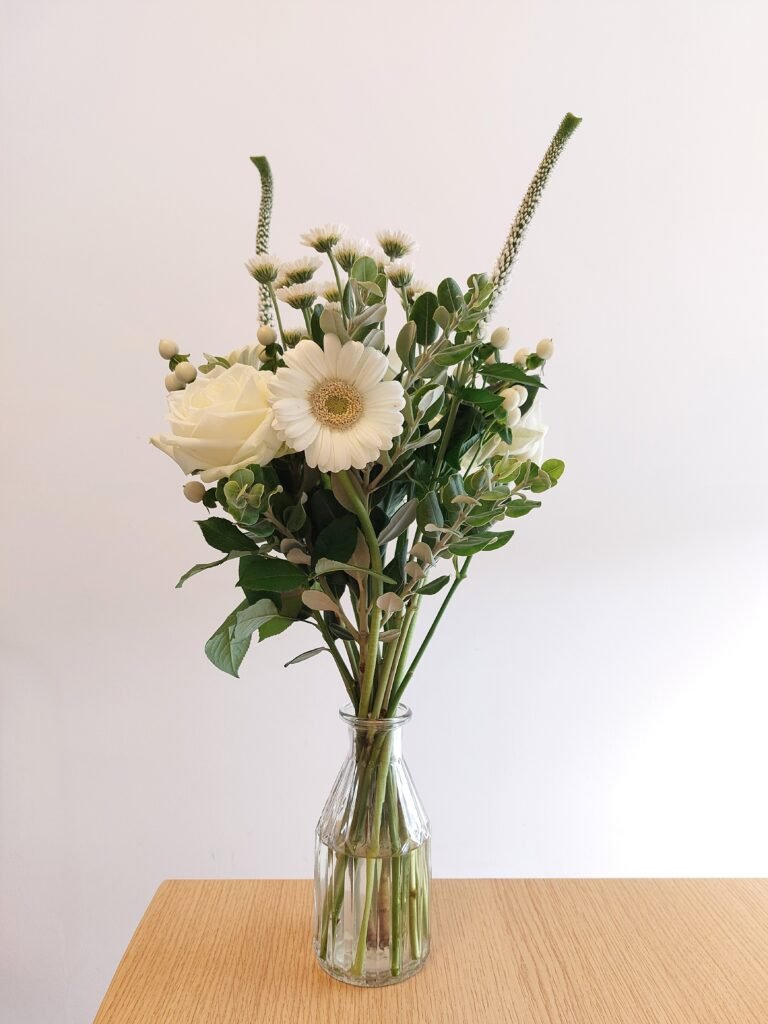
(266, 335)
(172, 383)
(500, 337)
(513, 417)
(194, 490)
(545, 349)
(186, 372)
(167, 348)
(511, 398)
(520, 356)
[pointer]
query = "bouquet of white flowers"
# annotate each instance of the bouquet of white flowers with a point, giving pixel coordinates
(356, 469)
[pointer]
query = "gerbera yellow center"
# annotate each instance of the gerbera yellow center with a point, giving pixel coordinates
(336, 404)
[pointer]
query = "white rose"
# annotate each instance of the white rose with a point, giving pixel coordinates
(221, 422)
(527, 441)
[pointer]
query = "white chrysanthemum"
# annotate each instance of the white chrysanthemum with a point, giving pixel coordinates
(264, 268)
(415, 288)
(332, 404)
(350, 249)
(399, 274)
(293, 335)
(395, 244)
(324, 238)
(381, 258)
(330, 291)
(298, 296)
(298, 271)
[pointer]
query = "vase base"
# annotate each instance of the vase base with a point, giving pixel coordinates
(371, 979)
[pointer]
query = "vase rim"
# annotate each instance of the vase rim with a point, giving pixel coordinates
(402, 715)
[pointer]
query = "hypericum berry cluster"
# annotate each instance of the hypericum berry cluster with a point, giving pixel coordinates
(182, 371)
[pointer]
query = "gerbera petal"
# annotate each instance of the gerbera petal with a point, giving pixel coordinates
(331, 349)
(348, 360)
(370, 369)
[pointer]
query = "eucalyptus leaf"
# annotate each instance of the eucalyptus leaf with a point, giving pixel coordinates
(305, 656)
(434, 586)
(521, 507)
(405, 342)
(364, 269)
(554, 468)
(400, 521)
(429, 438)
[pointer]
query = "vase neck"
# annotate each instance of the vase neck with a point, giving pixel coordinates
(383, 731)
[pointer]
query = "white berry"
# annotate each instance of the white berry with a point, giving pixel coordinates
(186, 372)
(511, 398)
(520, 356)
(513, 417)
(500, 337)
(522, 391)
(194, 490)
(172, 383)
(167, 348)
(545, 349)
(266, 335)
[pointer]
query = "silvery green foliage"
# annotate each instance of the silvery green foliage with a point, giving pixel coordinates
(262, 232)
(517, 229)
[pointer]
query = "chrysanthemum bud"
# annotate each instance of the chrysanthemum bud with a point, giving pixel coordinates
(513, 417)
(520, 356)
(172, 383)
(500, 337)
(186, 372)
(266, 335)
(194, 490)
(545, 349)
(167, 348)
(511, 398)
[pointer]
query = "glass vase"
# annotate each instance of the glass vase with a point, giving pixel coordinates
(372, 861)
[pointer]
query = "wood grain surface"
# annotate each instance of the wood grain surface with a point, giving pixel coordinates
(522, 951)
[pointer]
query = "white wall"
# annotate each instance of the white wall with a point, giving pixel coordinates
(597, 703)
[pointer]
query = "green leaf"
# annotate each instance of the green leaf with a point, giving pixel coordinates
(422, 314)
(305, 656)
(480, 542)
(400, 521)
(554, 468)
(405, 342)
(224, 536)
(338, 539)
(295, 517)
(252, 617)
(364, 269)
(455, 354)
(273, 626)
(449, 294)
(326, 565)
(429, 511)
(205, 565)
(259, 572)
(348, 300)
(223, 650)
(482, 398)
(521, 507)
(434, 586)
(431, 437)
(508, 371)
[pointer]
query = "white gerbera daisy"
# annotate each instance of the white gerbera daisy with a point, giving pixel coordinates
(332, 404)
(298, 271)
(264, 268)
(395, 244)
(324, 238)
(399, 274)
(350, 249)
(298, 296)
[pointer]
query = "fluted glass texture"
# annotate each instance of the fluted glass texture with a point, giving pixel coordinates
(372, 862)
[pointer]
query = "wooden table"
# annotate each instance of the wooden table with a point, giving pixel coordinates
(570, 952)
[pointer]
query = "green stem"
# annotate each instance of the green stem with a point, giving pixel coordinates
(400, 689)
(277, 314)
(307, 320)
(372, 650)
(346, 676)
(336, 274)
